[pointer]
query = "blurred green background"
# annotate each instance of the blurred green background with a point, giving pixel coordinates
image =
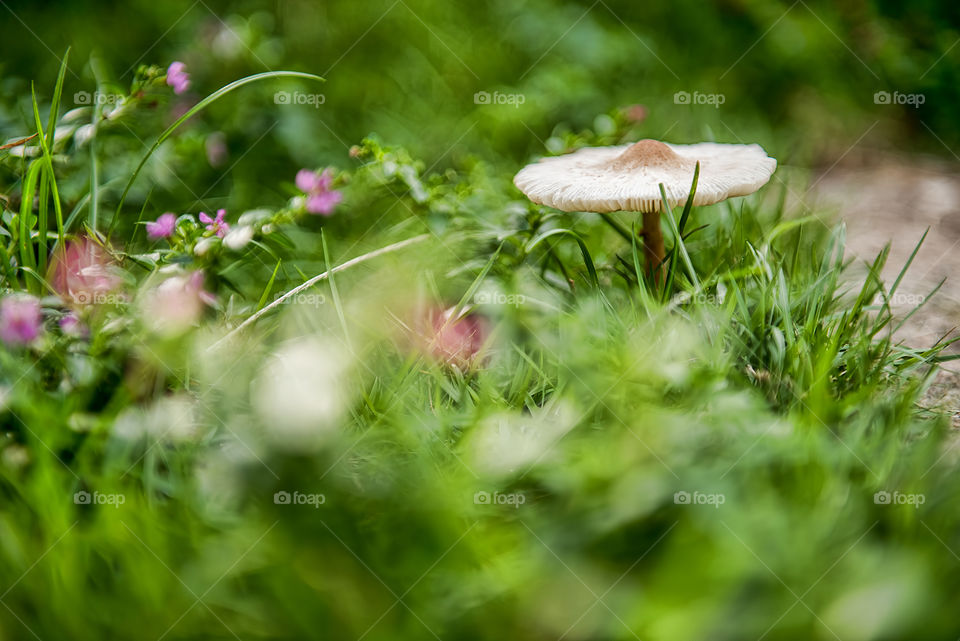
(797, 76)
(799, 437)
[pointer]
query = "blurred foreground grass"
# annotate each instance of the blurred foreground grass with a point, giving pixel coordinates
(748, 459)
(742, 454)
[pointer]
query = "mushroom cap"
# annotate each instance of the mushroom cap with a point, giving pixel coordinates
(628, 177)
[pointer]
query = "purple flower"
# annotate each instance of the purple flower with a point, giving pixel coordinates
(307, 180)
(20, 319)
(177, 77)
(216, 225)
(70, 325)
(323, 202)
(163, 227)
(316, 185)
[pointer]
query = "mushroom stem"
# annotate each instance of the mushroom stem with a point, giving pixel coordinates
(653, 243)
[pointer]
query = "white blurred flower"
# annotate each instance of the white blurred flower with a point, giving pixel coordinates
(15, 456)
(301, 394)
(238, 237)
(508, 443)
(76, 115)
(62, 133)
(172, 418)
(254, 216)
(204, 244)
(117, 109)
(84, 134)
(24, 151)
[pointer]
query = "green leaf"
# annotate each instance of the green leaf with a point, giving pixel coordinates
(588, 261)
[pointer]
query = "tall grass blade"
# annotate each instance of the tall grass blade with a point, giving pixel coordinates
(197, 108)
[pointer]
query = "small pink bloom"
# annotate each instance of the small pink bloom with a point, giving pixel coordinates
(20, 319)
(325, 180)
(323, 202)
(163, 227)
(216, 147)
(195, 284)
(83, 273)
(307, 180)
(321, 199)
(177, 77)
(71, 325)
(216, 225)
(177, 303)
(455, 340)
(636, 113)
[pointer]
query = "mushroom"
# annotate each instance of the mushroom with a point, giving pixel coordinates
(628, 178)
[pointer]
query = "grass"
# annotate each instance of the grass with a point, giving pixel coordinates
(704, 457)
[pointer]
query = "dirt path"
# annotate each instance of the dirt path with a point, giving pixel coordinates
(885, 198)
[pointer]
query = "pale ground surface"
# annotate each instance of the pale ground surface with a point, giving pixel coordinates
(887, 198)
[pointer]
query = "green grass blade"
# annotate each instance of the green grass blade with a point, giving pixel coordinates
(36, 116)
(679, 240)
(587, 259)
(26, 214)
(143, 210)
(642, 288)
(920, 305)
(906, 266)
(333, 289)
(200, 106)
(48, 180)
(474, 286)
(94, 194)
(42, 210)
(57, 207)
(269, 287)
(689, 204)
(55, 104)
(43, 193)
(684, 216)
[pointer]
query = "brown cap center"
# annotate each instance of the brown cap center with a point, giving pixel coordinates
(648, 153)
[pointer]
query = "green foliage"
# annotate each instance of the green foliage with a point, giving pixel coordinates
(737, 450)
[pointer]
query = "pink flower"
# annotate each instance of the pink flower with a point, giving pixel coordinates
(177, 303)
(309, 181)
(306, 180)
(20, 319)
(83, 273)
(323, 202)
(178, 78)
(636, 113)
(163, 227)
(321, 199)
(216, 225)
(455, 341)
(216, 147)
(70, 325)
